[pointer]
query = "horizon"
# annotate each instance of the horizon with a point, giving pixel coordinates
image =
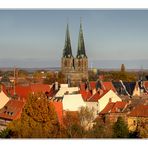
(35, 38)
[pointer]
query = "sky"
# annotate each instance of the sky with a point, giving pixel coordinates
(35, 38)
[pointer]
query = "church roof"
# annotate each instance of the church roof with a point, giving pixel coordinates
(67, 51)
(81, 46)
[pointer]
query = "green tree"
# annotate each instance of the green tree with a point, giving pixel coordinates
(38, 119)
(6, 133)
(100, 130)
(120, 129)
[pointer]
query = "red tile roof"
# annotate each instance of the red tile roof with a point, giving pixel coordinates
(114, 107)
(140, 111)
(24, 91)
(82, 86)
(146, 84)
(4, 88)
(59, 110)
(86, 94)
(109, 86)
(12, 110)
(92, 84)
(40, 88)
(107, 108)
(97, 96)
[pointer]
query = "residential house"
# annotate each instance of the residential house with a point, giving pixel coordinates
(138, 117)
(113, 110)
(73, 102)
(11, 111)
(3, 99)
(127, 88)
(65, 89)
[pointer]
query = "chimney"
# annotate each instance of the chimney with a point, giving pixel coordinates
(56, 86)
(110, 100)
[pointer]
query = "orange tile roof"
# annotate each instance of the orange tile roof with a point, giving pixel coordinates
(92, 84)
(86, 94)
(12, 110)
(146, 84)
(107, 108)
(109, 86)
(118, 105)
(140, 111)
(40, 88)
(82, 86)
(114, 107)
(59, 110)
(97, 96)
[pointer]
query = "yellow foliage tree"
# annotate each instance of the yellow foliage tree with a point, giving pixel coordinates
(38, 120)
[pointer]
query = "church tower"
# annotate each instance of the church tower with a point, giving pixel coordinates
(67, 59)
(74, 69)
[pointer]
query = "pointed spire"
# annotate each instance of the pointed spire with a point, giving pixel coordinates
(81, 46)
(67, 52)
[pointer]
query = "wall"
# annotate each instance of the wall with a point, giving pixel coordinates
(105, 99)
(73, 102)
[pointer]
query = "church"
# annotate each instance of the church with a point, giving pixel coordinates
(75, 69)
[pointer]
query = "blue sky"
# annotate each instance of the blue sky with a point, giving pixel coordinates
(35, 38)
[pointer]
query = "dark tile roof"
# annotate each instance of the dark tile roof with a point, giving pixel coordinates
(129, 88)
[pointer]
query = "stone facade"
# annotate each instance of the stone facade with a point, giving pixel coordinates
(74, 69)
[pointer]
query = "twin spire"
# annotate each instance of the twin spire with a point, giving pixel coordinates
(67, 52)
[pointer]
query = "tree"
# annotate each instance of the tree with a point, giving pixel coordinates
(22, 73)
(38, 119)
(122, 68)
(120, 129)
(86, 117)
(72, 127)
(100, 130)
(5, 133)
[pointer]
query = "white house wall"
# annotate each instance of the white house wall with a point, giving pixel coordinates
(3, 99)
(73, 102)
(64, 88)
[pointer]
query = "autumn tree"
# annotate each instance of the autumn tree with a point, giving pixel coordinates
(120, 129)
(100, 130)
(86, 117)
(22, 73)
(38, 119)
(72, 127)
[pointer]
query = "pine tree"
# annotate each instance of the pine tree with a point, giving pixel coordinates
(38, 119)
(120, 129)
